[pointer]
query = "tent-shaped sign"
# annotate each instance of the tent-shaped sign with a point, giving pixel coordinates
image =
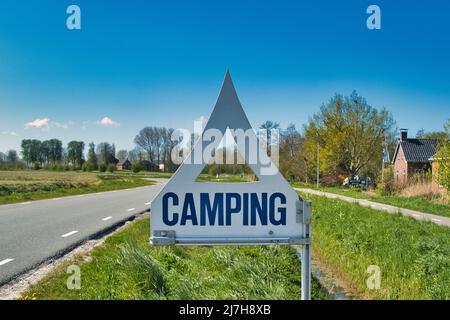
(267, 211)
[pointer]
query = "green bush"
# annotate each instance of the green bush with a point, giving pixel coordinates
(135, 167)
(111, 168)
(102, 167)
(387, 186)
(87, 166)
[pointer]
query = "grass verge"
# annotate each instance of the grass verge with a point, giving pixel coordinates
(127, 267)
(28, 185)
(413, 256)
(418, 203)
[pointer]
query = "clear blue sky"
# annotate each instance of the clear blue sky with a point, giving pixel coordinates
(162, 63)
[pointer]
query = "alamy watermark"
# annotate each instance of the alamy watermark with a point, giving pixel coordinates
(373, 282)
(74, 280)
(236, 146)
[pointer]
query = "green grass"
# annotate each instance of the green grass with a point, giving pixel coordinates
(127, 267)
(414, 256)
(225, 178)
(144, 174)
(420, 203)
(20, 186)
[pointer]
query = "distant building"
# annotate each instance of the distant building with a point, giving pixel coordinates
(126, 165)
(412, 156)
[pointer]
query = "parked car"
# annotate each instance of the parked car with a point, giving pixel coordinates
(356, 181)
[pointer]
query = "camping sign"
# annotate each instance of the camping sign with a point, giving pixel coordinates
(267, 211)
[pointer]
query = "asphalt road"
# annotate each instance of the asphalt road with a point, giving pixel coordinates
(34, 232)
(440, 220)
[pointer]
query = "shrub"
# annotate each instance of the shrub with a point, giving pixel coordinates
(387, 186)
(36, 166)
(87, 166)
(102, 167)
(135, 167)
(111, 168)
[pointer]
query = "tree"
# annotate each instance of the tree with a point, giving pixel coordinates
(92, 157)
(54, 150)
(75, 151)
(292, 160)
(11, 156)
(31, 151)
(350, 134)
(105, 152)
(437, 135)
(150, 140)
(443, 159)
(122, 155)
(268, 126)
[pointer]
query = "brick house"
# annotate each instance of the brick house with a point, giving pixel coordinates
(412, 156)
(126, 165)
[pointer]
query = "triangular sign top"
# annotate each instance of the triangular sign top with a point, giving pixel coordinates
(178, 211)
(227, 113)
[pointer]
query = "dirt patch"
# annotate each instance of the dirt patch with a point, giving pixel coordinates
(337, 279)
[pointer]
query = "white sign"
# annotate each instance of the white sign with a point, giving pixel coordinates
(268, 211)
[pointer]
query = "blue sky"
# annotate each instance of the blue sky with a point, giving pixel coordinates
(161, 63)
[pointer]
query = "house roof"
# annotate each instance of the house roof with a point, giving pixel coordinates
(417, 150)
(122, 163)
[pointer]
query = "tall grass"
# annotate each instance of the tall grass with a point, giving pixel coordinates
(430, 203)
(126, 267)
(414, 256)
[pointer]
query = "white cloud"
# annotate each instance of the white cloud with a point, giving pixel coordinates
(62, 125)
(9, 133)
(108, 122)
(38, 123)
(46, 124)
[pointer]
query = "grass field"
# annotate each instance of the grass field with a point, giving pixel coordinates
(27, 185)
(420, 203)
(127, 267)
(226, 178)
(413, 256)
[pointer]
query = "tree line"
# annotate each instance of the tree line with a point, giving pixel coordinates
(346, 137)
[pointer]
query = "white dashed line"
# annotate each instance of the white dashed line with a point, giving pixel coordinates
(54, 199)
(26, 202)
(416, 215)
(147, 203)
(131, 209)
(69, 234)
(107, 218)
(5, 261)
(437, 220)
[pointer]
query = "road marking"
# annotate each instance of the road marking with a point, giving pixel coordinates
(437, 220)
(107, 218)
(5, 261)
(54, 199)
(79, 196)
(416, 215)
(147, 203)
(131, 209)
(26, 202)
(69, 233)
